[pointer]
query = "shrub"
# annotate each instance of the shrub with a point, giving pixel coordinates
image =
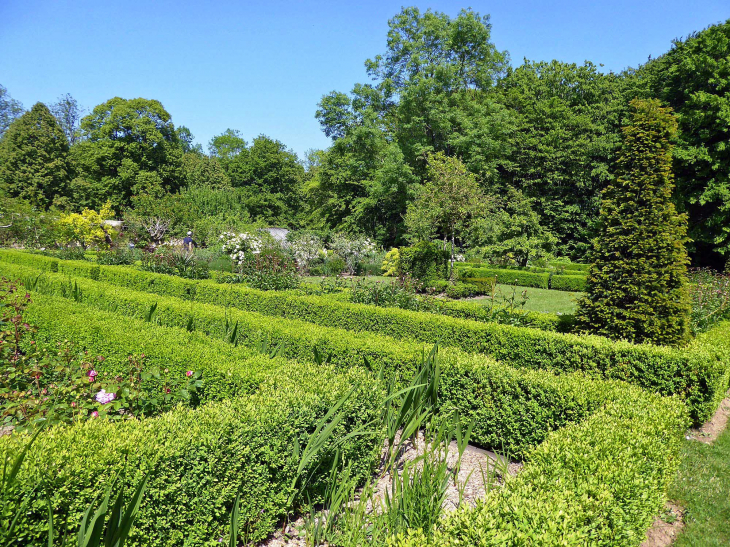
(391, 263)
(175, 262)
(352, 249)
(573, 283)
(425, 261)
(399, 293)
(198, 460)
(637, 284)
(270, 270)
(116, 257)
(461, 290)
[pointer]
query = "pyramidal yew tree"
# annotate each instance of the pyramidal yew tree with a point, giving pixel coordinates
(637, 284)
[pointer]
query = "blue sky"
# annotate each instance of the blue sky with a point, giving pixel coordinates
(262, 66)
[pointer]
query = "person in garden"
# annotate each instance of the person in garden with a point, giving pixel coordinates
(188, 242)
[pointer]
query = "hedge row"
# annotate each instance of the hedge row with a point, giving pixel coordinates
(512, 409)
(573, 283)
(507, 277)
(600, 482)
(483, 314)
(700, 373)
(197, 460)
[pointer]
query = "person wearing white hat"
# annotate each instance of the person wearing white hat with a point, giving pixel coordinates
(188, 242)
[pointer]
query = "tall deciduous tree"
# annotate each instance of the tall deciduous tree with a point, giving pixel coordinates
(694, 79)
(129, 147)
(34, 162)
(448, 201)
(637, 284)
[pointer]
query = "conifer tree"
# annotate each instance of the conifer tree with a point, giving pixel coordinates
(34, 162)
(637, 284)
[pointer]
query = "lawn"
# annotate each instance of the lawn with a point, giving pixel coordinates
(702, 487)
(540, 300)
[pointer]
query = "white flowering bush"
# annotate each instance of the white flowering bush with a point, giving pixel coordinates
(306, 248)
(239, 246)
(353, 249)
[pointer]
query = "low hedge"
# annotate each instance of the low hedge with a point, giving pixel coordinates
(513, 409)
(599, 482)
(533, 319)
(507, 277)
(228, 371)
(699, 373)
(573, 283)
(197, 460)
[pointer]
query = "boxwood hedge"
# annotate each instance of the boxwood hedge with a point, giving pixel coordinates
(700, 372)
(197, 460)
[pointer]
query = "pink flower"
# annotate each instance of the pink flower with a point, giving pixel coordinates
(93, 373)
(189, 373)
(103, 397)
(95, 414)
(167, 390)
(73, 404)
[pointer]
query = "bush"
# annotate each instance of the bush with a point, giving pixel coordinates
(507, 277)
(173, 262)
(425, 261)
(573, 283)
(270, 270)
(117, 257)
(391, 263)
(700, 373)
(637, 285)
(461, 290)
(198, 460)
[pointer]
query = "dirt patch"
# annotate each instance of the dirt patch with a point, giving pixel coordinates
(477, 466)
(712, 429)
(666, 527)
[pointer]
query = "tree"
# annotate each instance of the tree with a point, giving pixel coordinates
(129, 147)
(510, 230)
(693, 78)
(447, 203)
(10, 110)
(227, 145)
(199, 170)
(637, 283)
(68, 114)
(34, 163)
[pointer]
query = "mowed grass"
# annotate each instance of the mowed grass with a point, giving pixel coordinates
(540, 300)
(702, 487)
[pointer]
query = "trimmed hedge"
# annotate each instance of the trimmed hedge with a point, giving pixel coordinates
(198, 460)
(600, 482)
(507, 277)
(574, 283)
(700, 372)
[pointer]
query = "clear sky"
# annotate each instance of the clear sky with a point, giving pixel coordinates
(262, 66)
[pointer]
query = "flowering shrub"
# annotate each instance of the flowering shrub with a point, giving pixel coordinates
(306, 248)
(240, 246)
(40, 386)
(86, 228)
(352, 249)
(710, 293)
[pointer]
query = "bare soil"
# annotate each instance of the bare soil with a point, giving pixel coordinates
(711, 430)
(666, 527)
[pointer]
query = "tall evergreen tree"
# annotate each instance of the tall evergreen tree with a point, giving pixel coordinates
(34, 162)
(637, 284)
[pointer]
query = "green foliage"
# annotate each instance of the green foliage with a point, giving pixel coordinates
(86, 229)
(507, 277)
(427, 262)
(692, 78)
(637, 284)
(10, 110)
(572, 283)
(391, 263)
(710, 294)
(175, 262)
(205, 456)
(699, 372)
(34, 163)
(129, 147)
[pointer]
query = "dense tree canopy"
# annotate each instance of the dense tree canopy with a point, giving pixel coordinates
(128, 147)
(34, 163)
